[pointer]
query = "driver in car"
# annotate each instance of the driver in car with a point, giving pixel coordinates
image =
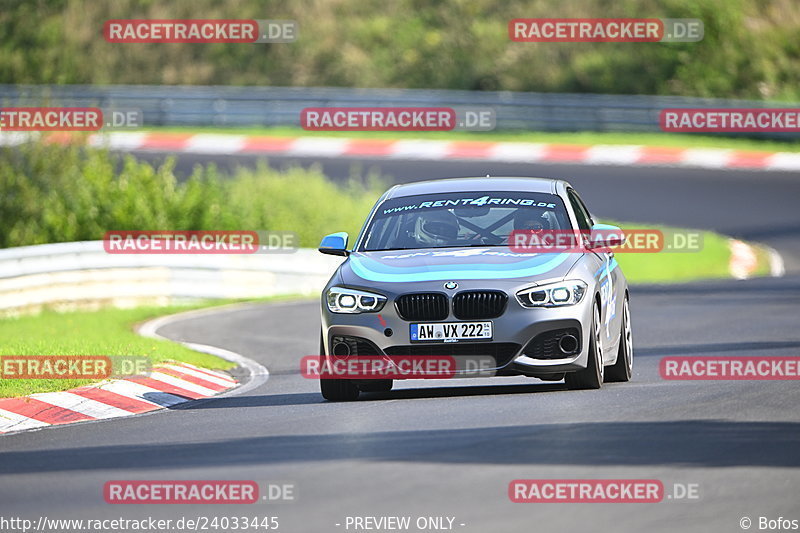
(436, 228)
(531, 220)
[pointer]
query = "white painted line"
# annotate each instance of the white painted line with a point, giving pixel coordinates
(419, 150)
(82, 405)
(258, 373)
(517, 152)
(207, 143)
(608, 154)
(783, 161)
(13, 422)
(318, 146)
(217, 373)
(201, 375)
(706, 157)
(776, 267)
(182, 383)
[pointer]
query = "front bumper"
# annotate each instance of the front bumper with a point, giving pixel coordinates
(513, 332)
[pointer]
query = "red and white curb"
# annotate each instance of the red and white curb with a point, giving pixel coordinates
(744, 260)
(166, 386)
(503, 152)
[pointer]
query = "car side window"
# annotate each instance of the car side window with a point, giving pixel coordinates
(585, 209)
(585, 221)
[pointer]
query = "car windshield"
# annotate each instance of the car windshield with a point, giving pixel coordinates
(461, 219)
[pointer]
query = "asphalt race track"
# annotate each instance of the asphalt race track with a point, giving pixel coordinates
(450, 448)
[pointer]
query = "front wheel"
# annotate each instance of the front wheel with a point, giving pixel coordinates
(376, 385)
(623, 368)
(335, 390)
(590, 377)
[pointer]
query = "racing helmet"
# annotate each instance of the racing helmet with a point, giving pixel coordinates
(531, 220)
(436, 228)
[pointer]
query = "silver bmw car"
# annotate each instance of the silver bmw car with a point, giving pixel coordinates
(434, 272)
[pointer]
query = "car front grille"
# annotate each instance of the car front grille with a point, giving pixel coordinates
(479, 304)
(422, 306)
(502, 352)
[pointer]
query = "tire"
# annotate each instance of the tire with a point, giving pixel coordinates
(376, 385)
(335, 390)
(621, 370)
(590, 377)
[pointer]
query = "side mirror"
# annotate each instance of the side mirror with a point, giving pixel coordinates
(605, 236)
(334, 244)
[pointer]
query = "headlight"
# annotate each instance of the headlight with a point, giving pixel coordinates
(341, 300)
(553, 294)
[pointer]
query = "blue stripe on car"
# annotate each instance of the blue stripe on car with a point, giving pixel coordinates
(373, 270)
(606, 269)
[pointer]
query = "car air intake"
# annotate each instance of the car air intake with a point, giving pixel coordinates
(479, 304)
(502, 352)
(553, 344)
(355, 346)
(422, 306)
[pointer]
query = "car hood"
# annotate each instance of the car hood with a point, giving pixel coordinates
(454, 263)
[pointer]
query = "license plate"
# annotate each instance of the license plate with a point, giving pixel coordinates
(451, 331)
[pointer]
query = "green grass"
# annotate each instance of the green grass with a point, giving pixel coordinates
(106, 332)
(709, 263)
(677, 140)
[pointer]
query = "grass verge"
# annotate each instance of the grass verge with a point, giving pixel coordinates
(105, 332)
(676, 140)
(710, 262)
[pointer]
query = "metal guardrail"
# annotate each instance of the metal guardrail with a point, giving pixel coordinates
(81, 274)
(281, 106)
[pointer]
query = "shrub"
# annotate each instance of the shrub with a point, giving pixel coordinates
(54, 193)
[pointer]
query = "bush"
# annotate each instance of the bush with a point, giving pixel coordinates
(55, 193)
(750, 49)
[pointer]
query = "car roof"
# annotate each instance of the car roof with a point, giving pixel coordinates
(484, 184)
